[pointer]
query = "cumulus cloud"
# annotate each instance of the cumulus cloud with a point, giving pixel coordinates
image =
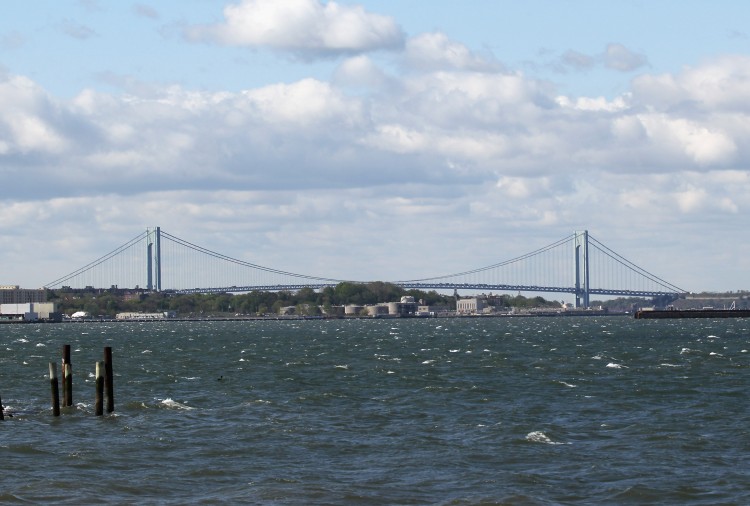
(618, 57)
(31, 122)
(615, 56)
(721, 85)
(578, 60)
(431, 51)
(360, 72)
(305, 27)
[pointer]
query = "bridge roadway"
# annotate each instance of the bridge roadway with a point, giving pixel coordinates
(434, 286)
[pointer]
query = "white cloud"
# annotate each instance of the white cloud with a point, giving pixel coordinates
(702, 145)
(618, 57)
(578, 60)
(28, 123)
(720, 85)
(692, 199)
(615, 57)
(302, 104)
(523, 188)
(305, 27)
(431, 51)
(360, 72)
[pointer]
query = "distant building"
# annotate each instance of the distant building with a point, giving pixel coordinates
(162, 315)
(472, 305)
(433, 309)
(406, 307)
(352, 309)
(30, 311)
(378, 310)
(334, 311)
(13, 294)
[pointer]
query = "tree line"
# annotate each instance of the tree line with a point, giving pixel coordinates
(108, 302)
(308, 301)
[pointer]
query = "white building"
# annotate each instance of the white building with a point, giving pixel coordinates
(163, 315)
(472, 305)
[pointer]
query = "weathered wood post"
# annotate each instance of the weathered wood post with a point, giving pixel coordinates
(99, 404)
(108, 377)
(54, 388)
(67, 377)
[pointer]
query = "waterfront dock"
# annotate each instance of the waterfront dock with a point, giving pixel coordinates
(659, 314)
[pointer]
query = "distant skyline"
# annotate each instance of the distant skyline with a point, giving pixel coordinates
(332, 138)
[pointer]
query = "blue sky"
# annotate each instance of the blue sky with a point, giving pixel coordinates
(485, 127)
(69, 45)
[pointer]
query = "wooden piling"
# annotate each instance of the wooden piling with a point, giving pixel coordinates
(99, 404)
(54, 388)
(67, 377)
(108, 377)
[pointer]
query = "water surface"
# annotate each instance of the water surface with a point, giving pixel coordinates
(532, 411)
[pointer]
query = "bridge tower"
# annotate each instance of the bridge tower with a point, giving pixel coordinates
(581, 252)
(153, 258)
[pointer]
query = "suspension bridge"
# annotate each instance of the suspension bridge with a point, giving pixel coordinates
(577, 264)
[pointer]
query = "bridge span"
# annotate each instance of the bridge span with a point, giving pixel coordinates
(577, 264)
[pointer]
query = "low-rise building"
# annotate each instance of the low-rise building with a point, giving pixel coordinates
(377, 310)
(162, 315)
(30, 311)
(352, 309)
(471, 305)
(433, 309)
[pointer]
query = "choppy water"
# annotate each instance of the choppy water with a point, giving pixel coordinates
(436, 411)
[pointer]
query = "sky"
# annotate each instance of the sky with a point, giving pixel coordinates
(377, 140)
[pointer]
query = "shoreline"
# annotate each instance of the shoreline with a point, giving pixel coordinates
(539, 314)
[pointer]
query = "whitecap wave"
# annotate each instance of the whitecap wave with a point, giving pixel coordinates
(612, 365)
(170, 403)
(538, 436)
(569, 385)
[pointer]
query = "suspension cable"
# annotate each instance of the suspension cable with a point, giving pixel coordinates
(243, 263)
(501, 264)
(98, 261)
(633, 267)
